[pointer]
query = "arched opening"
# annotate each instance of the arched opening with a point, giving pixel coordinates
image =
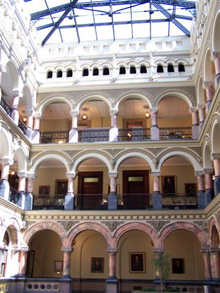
(69, 73)
(59, 74)
(4, 254)
(49, 74)
(122, 70)
(95, 72)
(214, 238)
(85, 72)
(181, 67)
(45, 258)
(160, 68)
(132, 70)
(143, 69)
(106, 71)
(170, 68)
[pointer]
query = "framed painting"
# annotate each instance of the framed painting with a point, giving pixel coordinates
(44, 190)
(178, 265)
(61, 187)
(190, 188)
(168, 184)
(58, 266)
(137, 262)
(97, 265)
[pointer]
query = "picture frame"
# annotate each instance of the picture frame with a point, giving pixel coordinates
(168, 184)
(44, 190)
(97, 265)
(190, 189)
(137, 262)
(117, 189)
(178, 266)
(58, 266)
(61, 187)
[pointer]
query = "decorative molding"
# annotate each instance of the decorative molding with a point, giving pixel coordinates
(112, 225)
(202, 224)
(158, 225)
(67, 225)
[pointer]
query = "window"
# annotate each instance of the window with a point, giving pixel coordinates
(132, 70)
(49, 74)
(159, 68)
(85, 72)
(181, 67)
(122, 70)
(95, 72)
(69, 73)
(170, 68)
(143, 69)
(106, 71)
(59, 74)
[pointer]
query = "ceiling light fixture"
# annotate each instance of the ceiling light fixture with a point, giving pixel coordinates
(84, 116)
(147, 115)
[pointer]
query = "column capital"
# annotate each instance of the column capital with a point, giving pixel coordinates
(154, 110)
(156, 174)
(112, 250)
(215, 156)
(37, 115)
(215, 55)
(113, 112)
(193, 109)
(24, 248)
(67, 249)
(29, 112)
(6, 161)
(74, 113)
(215, 250)
(207, 84)
(71, 175)
(199, 173)
(113, 175)
(31, 176)
(208, 171)
(158, 250)
(205, 250)
(22, 174)
(201, 106)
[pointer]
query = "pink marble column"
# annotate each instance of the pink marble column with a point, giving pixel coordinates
(195, 123)
(73, 134)
(201, 116)
(66, 261)
(215, 263)
(112, 196)
(156, 181)
(207, 263)
(154, 127)
(15, 113)
(216, 163)
(209, 88)
(200, 181)
(216, 56)
(4, 178)
(36, 132)
(208, 178)
(23, 261)
(113, 132)
(30, 121)
(22, 181)
(112, 262)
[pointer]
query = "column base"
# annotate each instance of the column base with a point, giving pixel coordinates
(155, 133)
(195, 131)
(21, 199)
(201, 199)
(69, 204)
(112, 201)
(208, 196)
(157, 200)
(113, 134)
(217, 185)
(111, 285)
(4, 189)
(28, 201)
(73, 135)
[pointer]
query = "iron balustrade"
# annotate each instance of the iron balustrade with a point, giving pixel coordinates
(13, 195)
(175, 133)
(22, 126)
(179, 201)
(54, 137)
(93, 134)
(6, 107)
(134, 134)
(48, 203)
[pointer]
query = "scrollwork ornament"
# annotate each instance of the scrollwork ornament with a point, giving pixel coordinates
(112, 225)
(67, 225)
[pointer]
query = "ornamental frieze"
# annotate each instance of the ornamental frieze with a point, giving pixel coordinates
(67, 225)
(112, 225)
(158, 225)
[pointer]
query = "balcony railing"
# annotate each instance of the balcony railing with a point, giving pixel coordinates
(175, 133)
(22, 126)
(6, 107)
(54, 137)
(134, 134)
(48, 203)
(93, 134)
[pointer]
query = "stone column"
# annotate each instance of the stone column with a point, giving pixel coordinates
(208, 185)
(209, 88)
(29, 193)
(207, 264)
(29, 123)
(216, 56)
(201, 116)
(113, 132)
(215, 263)
(216, 162)
(200, 187)
(23, 261)
(21, 189)
(195, 123)
(4, 184)
(66, 261)
(156, 197)
(155, 135)
(73, 134)
(15, 113)
(112, 282)
(69, 204)
(112, 197)
(36, 132)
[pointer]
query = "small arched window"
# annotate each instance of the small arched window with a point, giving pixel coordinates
(85, 72)
(69, 73)
(170, 68)
(59, 74)
(159, 68)
(106, 71)
(49, 74)
(95, 71)
(122, 70)
(143, 69)
(181, 67)
(132, 70)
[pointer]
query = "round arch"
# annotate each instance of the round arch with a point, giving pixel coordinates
(209, 74)
(215, 134)
(215, 35)
(206, 154)
(28, 98)
(5, 142)
(200, 93)
(143, 95)
(20, 156)
(13, 72)
(93, 95)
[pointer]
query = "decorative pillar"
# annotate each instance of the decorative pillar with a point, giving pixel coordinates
(4, 184)
(66, 261)
(208, 185)
(156, 198)
(23, 261)
(112, 197)
(69, 204)
(209, 89)
(36, 132)
(21, 189)
(29, 193)
(216, 162)
(207, 264)
(29, 124)
(112, 282)
(113, 132)
(15, 113)
(216, 56)
(200, 188)
(155, 135)
(201, 116)
(73, 134)
(215, 263)
(195, 123)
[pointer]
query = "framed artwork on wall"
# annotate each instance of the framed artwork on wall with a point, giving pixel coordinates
(61, 187)
(58, 266)
(137, 262)
(178, 265)
(97, 265)
(44, 190)
(168, 184)
(190, 189)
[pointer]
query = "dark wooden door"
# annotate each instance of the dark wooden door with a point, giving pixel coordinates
(135, 189)
(90, 190)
